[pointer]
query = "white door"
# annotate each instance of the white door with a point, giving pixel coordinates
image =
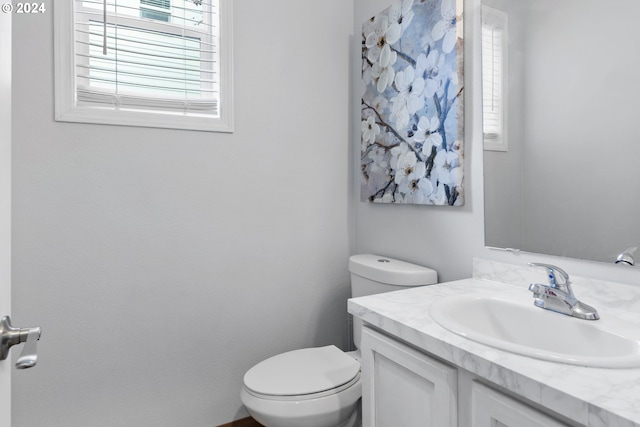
(5, 205)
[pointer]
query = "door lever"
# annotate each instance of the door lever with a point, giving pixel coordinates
(10, 336)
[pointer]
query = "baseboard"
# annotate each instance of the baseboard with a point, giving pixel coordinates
(245, 422)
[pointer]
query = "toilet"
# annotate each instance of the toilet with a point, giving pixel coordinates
(320, 386)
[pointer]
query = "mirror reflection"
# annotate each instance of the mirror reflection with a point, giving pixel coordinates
(562, 126)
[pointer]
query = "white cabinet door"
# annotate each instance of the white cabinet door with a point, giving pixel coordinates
(490, 408)
(402, 387)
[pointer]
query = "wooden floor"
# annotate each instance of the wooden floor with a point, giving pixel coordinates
(245, 422)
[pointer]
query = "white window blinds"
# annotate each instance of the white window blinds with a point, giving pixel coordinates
(157, 55)
(494, 28)
(150, 63)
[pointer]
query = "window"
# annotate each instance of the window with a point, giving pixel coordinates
(156, 63)
(494, 75)
(149, 9)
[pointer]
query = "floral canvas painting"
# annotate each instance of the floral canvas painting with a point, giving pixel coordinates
(412, 104)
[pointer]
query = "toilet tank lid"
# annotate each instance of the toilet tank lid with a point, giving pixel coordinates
(391, 271)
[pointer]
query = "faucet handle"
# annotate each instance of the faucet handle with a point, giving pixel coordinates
(553, 273)
(626, 257)
(559, 296)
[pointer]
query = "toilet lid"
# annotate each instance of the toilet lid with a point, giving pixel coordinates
(299, 372)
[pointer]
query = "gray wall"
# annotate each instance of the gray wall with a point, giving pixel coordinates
(163, 264)
(581, 104)
(503, 169)
(572, 168)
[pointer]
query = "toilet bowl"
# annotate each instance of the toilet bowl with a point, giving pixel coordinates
(311, 387)
(321, 387)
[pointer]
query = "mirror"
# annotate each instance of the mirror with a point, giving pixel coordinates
(562, 126)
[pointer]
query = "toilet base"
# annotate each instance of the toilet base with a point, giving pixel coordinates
(338, 410)
(356, 418)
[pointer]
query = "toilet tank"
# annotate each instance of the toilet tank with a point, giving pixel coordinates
(375, 274)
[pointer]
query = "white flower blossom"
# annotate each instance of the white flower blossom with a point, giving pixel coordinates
(446, 28)
(446, 169)
(373, 32)
(455, 177)
(384, 74)
(428, 67)
(427, 133)
(397, 152)
(379, 103)
(418, 191)
(369, 130)
(411, 87)
(414, 184)
(408, 169)
(399, 113)
(439, 196)
(379, 161)
(378, 41)
(401, 14)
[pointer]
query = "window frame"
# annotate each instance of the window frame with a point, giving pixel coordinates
(68, 110)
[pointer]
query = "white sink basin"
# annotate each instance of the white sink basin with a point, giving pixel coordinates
(531, 331)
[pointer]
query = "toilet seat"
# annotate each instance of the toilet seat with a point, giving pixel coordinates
(307, 373)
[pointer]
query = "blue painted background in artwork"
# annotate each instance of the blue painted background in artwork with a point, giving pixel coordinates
(411, 147)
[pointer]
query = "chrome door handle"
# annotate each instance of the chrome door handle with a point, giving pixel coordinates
(10, 336)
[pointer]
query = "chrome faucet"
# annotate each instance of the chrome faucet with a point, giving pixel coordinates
(558, 295)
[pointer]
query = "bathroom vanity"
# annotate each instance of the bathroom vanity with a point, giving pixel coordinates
(417, 372)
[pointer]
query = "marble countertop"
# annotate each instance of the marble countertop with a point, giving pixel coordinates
(595, 397)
